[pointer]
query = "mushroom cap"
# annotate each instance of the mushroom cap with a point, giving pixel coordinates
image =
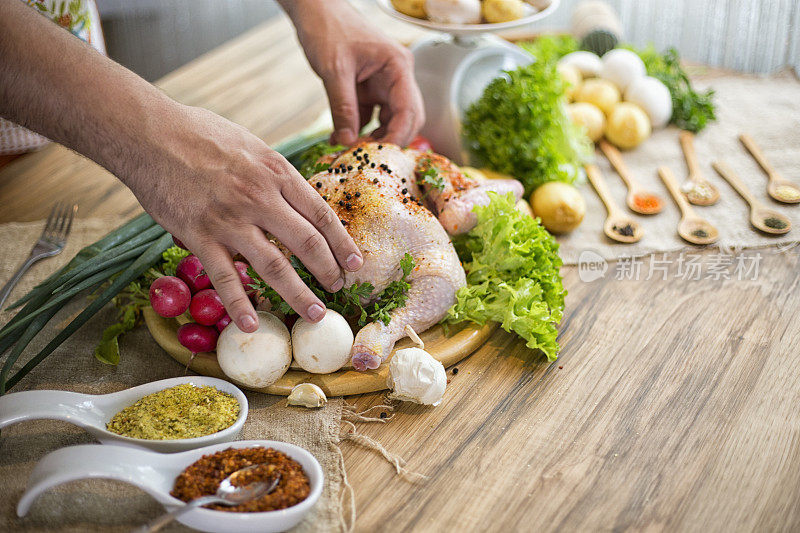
(256, 359)
(322, 347)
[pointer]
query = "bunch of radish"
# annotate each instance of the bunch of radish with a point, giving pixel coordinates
(191, 290)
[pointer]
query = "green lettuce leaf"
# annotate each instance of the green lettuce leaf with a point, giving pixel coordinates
(513, 275)
(519, 126)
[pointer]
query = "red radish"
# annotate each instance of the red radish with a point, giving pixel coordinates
(241, 268)
(206, 307)
(222, 322)
(420, 143)
(198, 338)
(169, 296)
(178, 243)
(190, 270)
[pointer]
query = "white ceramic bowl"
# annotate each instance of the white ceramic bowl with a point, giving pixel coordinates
(93, 411)
(470, 29)
(155, 474)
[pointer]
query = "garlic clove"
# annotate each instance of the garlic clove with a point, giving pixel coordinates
(307, 395)
(416, 376)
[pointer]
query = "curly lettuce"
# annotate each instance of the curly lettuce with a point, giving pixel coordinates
(519, 126)
(513, 275)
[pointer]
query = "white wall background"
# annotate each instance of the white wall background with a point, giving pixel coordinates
(154, 37)
(759, 36)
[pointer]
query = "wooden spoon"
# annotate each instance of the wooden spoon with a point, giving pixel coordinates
(691, 228)
(759, 213)
(697, 189)
(634, 189)
(776, 181)
(617, 220)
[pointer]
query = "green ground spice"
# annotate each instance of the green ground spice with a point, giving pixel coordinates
(180, 412)
(774, 223)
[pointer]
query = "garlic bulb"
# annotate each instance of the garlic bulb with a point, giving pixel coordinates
(307, 395)
(415, 376)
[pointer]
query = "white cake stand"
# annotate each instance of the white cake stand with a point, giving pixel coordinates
(453, 69)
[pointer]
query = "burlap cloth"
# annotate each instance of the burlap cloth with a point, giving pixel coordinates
(99, 505)
(766, 108)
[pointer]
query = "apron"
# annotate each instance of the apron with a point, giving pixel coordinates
(81, 18)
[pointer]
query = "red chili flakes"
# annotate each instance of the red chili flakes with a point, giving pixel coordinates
(202, 478)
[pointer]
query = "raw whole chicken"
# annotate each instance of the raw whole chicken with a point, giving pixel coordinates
(392, 202)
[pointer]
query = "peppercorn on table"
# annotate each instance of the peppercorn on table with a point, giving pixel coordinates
(673, 404)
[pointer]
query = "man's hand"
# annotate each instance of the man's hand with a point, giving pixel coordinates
(219, 188)
(361, 69)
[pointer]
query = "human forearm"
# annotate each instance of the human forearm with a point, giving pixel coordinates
(57, 85)
(361, 68)
(208, 181)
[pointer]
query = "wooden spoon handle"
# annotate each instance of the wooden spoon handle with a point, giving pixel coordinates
(672, 184)
(757, 154)
(600, 186)
(687, 144)
(615, 158)
(730, 176)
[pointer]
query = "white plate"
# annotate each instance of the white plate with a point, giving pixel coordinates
(93, 411)
(155, 474)
(468, 29)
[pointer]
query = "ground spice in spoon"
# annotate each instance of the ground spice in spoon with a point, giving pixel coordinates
(774, 223)
(180, 412)
(647, 203)
(625, 231)
(700, 233)
(203, 477)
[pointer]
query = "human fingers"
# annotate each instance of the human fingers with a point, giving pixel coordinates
(278, 273)
(218, 265)
(308, 203)
(341, 89)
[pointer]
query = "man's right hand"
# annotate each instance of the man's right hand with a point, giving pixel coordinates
(218, 188)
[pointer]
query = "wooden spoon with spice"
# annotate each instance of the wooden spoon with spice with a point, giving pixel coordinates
(761, 217)
(692, 228)
(618, 226)
(698, 190)
(778, 187)
(639, 200)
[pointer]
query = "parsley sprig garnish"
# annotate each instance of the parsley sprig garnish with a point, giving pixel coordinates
(348, 301)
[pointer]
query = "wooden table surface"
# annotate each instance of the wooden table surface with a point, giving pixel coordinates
(674, 404)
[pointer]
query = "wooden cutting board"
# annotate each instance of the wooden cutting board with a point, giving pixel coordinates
(449, 349)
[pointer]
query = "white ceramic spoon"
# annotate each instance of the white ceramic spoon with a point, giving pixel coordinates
(93, 411)
(155, 474)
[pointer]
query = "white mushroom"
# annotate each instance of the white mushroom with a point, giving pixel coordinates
(415, 376)
(322, 347)
(587, 63)
(653, 97)
(256, 359)
(622, 67)
(307, 395)
(454, 11)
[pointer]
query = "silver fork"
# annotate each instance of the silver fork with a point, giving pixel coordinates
(50, 243)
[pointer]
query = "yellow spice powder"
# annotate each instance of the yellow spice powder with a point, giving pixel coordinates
(181, 412)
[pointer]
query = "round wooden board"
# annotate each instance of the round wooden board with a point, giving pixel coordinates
(450, 349)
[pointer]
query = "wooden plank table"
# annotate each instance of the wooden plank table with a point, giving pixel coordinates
(673, 405)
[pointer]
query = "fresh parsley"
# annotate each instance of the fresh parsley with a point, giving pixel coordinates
(310, 159)
(429, 174)
(691, 110)
(349, 301)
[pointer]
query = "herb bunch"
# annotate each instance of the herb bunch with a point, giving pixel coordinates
(519, 126)
(130, 302)
(691, 110)
(349, 300)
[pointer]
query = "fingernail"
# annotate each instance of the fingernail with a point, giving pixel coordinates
(338, 285)
(347, 136)
(354, 262)
(249, 323)
(316, 312)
